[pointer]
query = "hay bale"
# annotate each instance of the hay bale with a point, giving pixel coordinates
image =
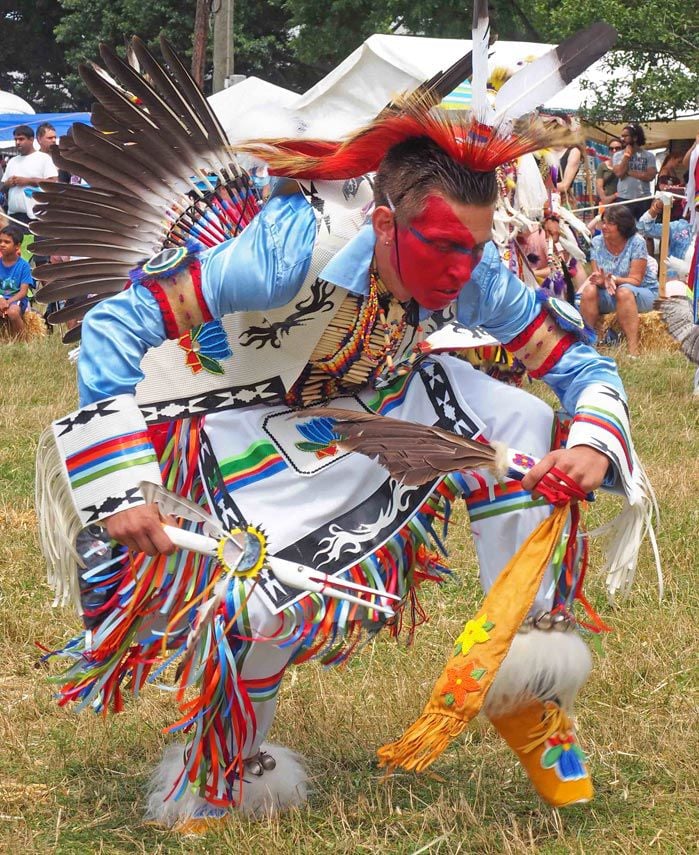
(652, 332)
(34, 327)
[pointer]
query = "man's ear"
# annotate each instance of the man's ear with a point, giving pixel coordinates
(384, 223)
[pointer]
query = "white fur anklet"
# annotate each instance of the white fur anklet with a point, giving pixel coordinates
(278, 789)
(543, 665)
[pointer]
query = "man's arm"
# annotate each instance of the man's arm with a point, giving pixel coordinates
(647, 174)
(262, 268)
(550, 339)
(620, 162)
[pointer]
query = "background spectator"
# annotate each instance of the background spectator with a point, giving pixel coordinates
(23, 174)
(15, 279)
(671, 178)
(605, 180)
(680, 234)
(620, 280)
(46, 137)
(635, 168)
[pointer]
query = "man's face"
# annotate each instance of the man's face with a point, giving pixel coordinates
(436, 252)
(46, 140)
(24, 144)
(8, 248)
(552, 229)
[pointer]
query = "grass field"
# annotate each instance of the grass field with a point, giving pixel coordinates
(72, 784)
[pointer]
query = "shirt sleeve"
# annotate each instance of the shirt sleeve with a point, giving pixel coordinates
(649, 227)
(25, 274)
(637, 248)
(49, 169)
(264, 267)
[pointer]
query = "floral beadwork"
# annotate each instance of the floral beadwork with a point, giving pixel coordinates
(319, 437)
(563, 754)
(523, 460)
(461, 682)
(205, 345)
(475, 632)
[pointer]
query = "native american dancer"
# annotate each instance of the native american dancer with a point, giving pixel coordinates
(192, 386)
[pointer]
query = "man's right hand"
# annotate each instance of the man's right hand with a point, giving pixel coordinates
(141, 529)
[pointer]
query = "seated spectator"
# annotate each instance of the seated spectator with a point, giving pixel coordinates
(680, 234)
(620, 280)
(634, 168)
(605, 180)
(671, 178)
(15, 280)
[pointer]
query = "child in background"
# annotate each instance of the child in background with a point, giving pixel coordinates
(15, 279)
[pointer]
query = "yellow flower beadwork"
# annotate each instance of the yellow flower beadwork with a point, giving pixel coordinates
(475, 632)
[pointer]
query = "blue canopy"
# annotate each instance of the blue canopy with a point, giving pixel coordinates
(60, 121)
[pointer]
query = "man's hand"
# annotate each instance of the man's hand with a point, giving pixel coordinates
(584, 464)
(141, 529)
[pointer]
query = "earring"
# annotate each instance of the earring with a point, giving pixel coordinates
(386, 242)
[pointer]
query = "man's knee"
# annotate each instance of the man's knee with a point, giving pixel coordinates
(13, 312)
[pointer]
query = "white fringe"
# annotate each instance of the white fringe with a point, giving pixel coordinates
(541, 664)
(59, 523)
(625, 534)
(284, 787)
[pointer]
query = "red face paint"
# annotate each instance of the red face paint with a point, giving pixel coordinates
(435, 254)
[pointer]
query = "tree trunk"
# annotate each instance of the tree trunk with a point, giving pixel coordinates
(201, 35)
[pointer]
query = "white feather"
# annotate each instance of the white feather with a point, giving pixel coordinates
(480, 103)
(540, 664)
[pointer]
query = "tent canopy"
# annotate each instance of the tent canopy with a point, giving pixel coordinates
(386, 65)
(252, 108)
(10, 103)
(60, 121)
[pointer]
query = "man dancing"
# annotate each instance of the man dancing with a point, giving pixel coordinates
(197, 374)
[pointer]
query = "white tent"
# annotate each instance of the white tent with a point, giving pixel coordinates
(10, 103)
(385, 65)
(252, 107)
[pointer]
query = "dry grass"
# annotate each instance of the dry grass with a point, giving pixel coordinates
(75, 784)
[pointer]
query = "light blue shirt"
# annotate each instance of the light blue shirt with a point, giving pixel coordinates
(619, 265)
(266, 266)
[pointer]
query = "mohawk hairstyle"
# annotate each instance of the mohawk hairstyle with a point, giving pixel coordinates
(414, 168)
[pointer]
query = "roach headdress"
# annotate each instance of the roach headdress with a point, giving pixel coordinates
(481, 139)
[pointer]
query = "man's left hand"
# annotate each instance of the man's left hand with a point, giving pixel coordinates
(584, 464)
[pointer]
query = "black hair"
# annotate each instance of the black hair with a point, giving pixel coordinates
(23, 131)
(623, 219)
(14, 232)
(637, 133)
(43, 128)
(413, 169)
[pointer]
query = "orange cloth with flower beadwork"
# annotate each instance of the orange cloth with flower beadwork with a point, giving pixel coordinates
(460, 691)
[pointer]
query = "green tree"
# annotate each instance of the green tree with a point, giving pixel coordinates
(325, 33)
(658, 43)
(32, 65)
(86, 23)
